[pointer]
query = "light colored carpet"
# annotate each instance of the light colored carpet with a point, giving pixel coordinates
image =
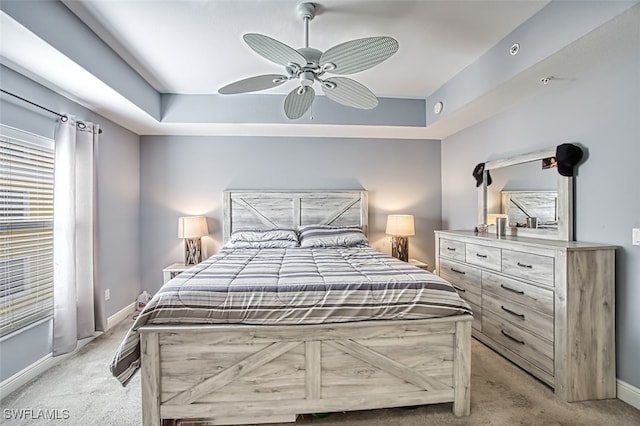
(501, 394)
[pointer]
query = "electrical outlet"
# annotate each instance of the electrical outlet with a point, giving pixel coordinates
(107, 294)
(635, 238)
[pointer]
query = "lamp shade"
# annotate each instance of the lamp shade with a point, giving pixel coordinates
(192, 227)
(400, 225)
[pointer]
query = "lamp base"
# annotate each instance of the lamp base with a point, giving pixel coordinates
(400, 247)
(192, 251)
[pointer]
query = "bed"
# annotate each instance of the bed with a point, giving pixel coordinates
(262, 333)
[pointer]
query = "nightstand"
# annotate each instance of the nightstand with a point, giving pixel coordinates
(173, 270)
(419, 264)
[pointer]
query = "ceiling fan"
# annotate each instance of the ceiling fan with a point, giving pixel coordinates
(308, 65)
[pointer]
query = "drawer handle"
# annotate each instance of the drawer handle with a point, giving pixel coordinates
(484, 256)
(461, 290)
(525, 266)
(458, 272)
(512, 338)
(521, 316)
(451, 248)
(513, 290)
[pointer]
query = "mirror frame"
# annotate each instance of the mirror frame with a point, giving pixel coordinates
(565, 198)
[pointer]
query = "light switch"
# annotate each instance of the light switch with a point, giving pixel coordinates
(636, 237)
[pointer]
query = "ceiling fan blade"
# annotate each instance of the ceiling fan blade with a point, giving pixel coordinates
(349, 92)
(296, 103)
(253, 84)
(274, 50)
(358, 55)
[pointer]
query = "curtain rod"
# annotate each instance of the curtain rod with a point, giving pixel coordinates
(62, 116)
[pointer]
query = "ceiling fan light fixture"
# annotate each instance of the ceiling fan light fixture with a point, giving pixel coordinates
(307, 65)
(307, 78)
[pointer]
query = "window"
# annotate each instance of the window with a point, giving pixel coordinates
(26, 229)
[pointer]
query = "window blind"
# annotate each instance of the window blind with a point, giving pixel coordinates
(26, 229)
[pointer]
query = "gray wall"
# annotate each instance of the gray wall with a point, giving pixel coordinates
(118, 247)
(598, 109)
(181, 175)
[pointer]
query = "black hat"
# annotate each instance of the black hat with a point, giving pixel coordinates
(478, 173)
(567, 156)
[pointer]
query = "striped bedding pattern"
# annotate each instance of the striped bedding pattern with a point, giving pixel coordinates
(285, 286)
(331, 236)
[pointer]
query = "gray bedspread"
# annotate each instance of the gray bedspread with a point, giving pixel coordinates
(286, 286)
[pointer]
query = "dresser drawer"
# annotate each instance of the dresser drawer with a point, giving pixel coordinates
(465, 279)
(529, 266)
(520, 315)
(537, 351)
(452, 249)
(487, 257)
(504, 288)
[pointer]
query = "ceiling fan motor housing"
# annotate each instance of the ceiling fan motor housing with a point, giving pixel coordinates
(311, 55)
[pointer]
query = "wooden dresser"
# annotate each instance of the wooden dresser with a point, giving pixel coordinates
(546, 305)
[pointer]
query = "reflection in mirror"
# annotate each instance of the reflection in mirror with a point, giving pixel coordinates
(531, 209)
(525, 190)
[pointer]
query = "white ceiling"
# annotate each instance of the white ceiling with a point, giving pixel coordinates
(196, 46)
(449, 50)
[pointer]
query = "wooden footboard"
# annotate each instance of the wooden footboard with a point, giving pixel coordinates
(235, 374)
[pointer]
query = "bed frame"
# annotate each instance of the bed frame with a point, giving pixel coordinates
(240, 374)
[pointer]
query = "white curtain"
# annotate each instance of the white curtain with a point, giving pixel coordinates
(78, 309)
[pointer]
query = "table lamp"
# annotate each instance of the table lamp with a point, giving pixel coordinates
(400, 227)
(191, 228)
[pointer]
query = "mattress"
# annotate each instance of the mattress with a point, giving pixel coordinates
(289, 286)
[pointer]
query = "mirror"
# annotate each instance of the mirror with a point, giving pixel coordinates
(523, 187)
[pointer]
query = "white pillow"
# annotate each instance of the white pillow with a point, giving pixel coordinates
(264, 235)
(261, 244)
(332, 236)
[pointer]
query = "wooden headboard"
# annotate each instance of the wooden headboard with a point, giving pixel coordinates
(292, 209)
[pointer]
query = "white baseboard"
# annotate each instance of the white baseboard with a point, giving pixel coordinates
(29, 373)
(629, 394)
(121, 315)
(21, 377)
(43, 364)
